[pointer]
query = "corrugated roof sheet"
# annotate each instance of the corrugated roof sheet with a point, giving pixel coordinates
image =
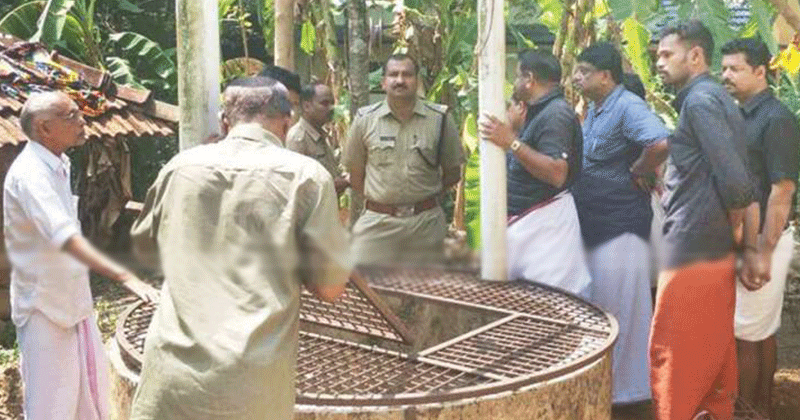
(120, 118)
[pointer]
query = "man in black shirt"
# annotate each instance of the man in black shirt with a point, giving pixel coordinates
(692, 348)
(772, 140)
(544, 242)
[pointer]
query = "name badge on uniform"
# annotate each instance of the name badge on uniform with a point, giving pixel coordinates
(388, 139)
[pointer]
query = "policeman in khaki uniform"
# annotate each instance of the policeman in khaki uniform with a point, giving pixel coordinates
(308, 136)
(402, 153)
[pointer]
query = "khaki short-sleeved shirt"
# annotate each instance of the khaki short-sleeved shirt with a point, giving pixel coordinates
(239, 226)
(305, 139)
(402, 162)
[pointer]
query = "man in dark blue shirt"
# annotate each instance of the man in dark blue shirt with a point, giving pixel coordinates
(708, 188)
(623, 144)
(543, 237)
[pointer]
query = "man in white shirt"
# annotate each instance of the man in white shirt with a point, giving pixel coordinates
(63, 365)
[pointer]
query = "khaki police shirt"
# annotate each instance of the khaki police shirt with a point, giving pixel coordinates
(239, 226)
(401, 160)
(305, 139)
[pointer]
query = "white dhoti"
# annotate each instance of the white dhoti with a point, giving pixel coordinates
(620, 270)
(758, 313)
(545, 246)
(64, 371)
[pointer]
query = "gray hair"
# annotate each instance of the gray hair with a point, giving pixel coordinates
(39, 104)
(251, 97)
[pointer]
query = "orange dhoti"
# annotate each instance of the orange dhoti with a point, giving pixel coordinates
(692, 347)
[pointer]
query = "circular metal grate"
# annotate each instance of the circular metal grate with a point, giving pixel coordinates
(541, 334)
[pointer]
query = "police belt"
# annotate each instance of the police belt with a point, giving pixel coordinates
(401, 210)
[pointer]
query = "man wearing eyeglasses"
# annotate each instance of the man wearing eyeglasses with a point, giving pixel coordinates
(63, 364)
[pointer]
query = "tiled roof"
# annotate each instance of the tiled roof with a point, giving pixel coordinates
(129, 112)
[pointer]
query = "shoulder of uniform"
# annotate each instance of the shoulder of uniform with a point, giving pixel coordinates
(364, 110)
(437, 108)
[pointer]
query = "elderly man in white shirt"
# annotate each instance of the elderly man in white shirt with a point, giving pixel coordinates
(63, 365)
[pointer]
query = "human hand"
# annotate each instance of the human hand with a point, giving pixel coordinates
(497, 131)
(341, 183)
(755, 270)
(141, 289)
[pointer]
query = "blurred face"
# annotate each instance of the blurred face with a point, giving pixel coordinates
(673, 60)
(517, 111)
(319, 110)
(740, 79)
(294, 99)
(587, 79)
(64, 128)
(523, 84)
(400, 79)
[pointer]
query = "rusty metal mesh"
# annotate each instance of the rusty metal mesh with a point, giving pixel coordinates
(744, 411)
(519, 346)
(352, 312)
(545, 333)
(337, 368)
(466, 289)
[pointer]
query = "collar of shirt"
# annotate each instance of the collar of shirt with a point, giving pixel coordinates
(535, 107)
(254, 131)
(57, 164)
(683, 93)
(419, 109)
(609, 100)
(310, 130)
(752, 104)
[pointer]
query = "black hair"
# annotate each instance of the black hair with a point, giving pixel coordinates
(755, 51)
(308, 91)
(634, 84)
(401, 57)
(695, 34)
(543, 65)
(289, 79)
(604, 56)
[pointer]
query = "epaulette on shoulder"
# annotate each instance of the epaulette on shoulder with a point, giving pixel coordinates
(368, 109)
(437, 108)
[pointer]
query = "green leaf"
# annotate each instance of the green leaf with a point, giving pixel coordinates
(143, 50)
(21, 22)
(51, 21)
(637, 48)
(308, 38)
(127, 6)
(121, 71)
(469, 132)
(620, 9)
(762, 13)
(551, 14)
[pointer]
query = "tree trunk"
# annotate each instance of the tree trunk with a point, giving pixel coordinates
(358, 71)
(284, 34)
(357, 58)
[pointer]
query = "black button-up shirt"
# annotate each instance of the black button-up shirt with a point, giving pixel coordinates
(706, 176)
(553, 129)
(773, 144)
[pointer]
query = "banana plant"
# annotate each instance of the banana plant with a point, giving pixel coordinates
(69, 26)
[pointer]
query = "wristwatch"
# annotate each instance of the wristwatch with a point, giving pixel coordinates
(515, 145)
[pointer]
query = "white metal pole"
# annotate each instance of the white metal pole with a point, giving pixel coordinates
(198, 70)
(491, 78)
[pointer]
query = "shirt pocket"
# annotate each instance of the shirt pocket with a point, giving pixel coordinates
(381, 153)
(424, 152)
